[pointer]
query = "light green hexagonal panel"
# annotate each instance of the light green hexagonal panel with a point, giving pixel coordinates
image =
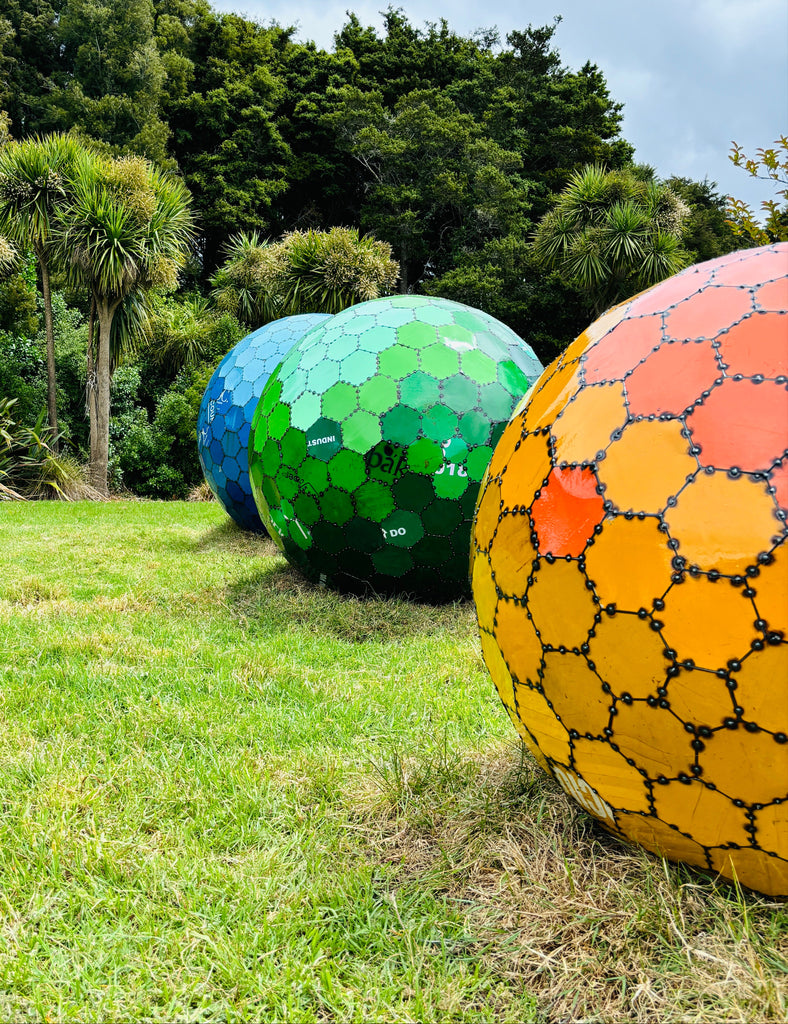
(393, 317)
(278, 420)
(398, 361)
(439, 360)
(416, 334)
(419, 390)
(479, 366)
(305, 410)
(378, 394)
(358, 367)
(339, 401)
(377, 339)
(361, 431)
(312, 355)
(478, 461)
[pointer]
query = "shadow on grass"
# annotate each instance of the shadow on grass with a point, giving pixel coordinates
(281, 592)
(228, 537)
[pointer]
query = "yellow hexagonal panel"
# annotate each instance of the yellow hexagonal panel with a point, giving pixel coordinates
(726, 756)
(561, 605)
(621, 641)
(752, 867)
(498, 671)
(549, 396)
(710, 817)
(628, 470)
(629, 542)
(576, 693)
(708, 622)
(527, 469)
(487, 513)
(771, 824)
(764, 704)
(723, 523)
(523, 649)
(486, 594)
(660, 838)
(587, 423)
(700, 698)
(606, 771)
(654, 739)
(552, 736)
(771, 590)
(512, 555)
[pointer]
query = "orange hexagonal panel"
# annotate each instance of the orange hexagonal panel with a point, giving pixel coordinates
(672, 378)
(561, 605)
(619, 642)
(587, 423)
(771, 591)
(651, 678)
(714, 818)
(512, 555)
(566, 512)
(635, 542)
(627, 470)
(708, 622)
(722, 523)
(727, 750)
(756, 346)
(754, 694)
(755, 419)
(524, 652)
(575, 693)
(706, 314)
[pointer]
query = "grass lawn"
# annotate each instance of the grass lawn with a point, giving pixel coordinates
(228, 795)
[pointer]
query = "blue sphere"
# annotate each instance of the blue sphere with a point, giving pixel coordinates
(227, 408)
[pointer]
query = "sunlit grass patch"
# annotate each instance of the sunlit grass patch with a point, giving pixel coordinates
(227, 794)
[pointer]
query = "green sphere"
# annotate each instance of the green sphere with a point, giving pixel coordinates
(370, 440)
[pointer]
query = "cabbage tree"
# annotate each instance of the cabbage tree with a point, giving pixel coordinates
(34, 182)
(125, 228)
(613, 233)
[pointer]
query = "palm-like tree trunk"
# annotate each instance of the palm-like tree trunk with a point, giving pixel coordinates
(99, 427)
(50, 342)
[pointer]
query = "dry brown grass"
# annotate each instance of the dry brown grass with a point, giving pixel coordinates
(595, 929)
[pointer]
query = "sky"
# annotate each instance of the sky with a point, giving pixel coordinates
(692, 75)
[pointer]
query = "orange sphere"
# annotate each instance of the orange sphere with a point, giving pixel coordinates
(630, 568)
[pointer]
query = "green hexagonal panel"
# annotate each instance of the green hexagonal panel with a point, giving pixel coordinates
(479, 366)
(374, 501)
(401, 424)
(416, 334)
(398, 361)
(419, 390)
(377, 394)
(439, 360)
(339, 401)
(425, 456)
(347, 469)
(358, 367)
(460, 393)
(362, 431)
(305, 410)
(439, 423)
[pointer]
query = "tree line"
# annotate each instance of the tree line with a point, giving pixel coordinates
(494, 175)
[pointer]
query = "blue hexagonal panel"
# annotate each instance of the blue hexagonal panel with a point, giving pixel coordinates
(227, 408)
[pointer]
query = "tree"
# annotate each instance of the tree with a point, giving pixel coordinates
(304, 272)
(34, 184)
(768, 165)
(436, 182)
(613, 233)
(125, 228)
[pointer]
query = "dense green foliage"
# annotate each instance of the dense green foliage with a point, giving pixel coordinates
(448, 150)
